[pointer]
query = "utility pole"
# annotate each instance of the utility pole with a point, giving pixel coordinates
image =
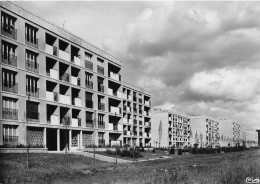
(94, 136)
(116, 143)
(27, 159)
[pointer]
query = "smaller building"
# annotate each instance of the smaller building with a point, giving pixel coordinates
(204, 131)
(251, 138)
(229, 132)
(169, 128)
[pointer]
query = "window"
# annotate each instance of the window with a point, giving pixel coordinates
(9, 81)
(10, 110)
(32, 86)
(31, 36)
(88, 82)
(31, 61)
(8, 53)
(8, 26)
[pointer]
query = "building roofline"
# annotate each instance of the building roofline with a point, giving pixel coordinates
(127, 84)
(65, 31)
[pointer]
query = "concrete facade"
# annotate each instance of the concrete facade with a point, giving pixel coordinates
(204, 131)
(175, 128)
(58, 90)
(251, 138)
(229, 132)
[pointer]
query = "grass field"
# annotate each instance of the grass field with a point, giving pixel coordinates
(228, 168)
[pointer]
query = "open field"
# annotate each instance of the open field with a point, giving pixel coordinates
(225, 168)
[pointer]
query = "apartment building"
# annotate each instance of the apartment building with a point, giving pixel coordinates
(58, 90)
(204, 131)
(136, 116)
(175, 128)
(251, 138)
(229, 133)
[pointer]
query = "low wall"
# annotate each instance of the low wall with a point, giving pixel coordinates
(99, 149)
(23, 150)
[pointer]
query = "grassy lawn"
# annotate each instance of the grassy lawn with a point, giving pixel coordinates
(228, 168)
(44, 167)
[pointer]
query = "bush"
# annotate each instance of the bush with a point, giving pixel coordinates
(153, 150)
(179, 152)
(172, 151)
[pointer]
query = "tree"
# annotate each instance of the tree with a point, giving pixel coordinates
(160, 132)
(201, 139)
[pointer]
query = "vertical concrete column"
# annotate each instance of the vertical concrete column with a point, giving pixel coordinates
(58, 139)
(70, 137)
(44, 137)
(1, 133)
(80, 140)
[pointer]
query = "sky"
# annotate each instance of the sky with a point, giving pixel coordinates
(203, 57)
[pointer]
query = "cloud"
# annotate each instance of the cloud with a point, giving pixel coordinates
(235, 84)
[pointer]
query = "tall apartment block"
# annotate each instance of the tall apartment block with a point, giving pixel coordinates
(175, 128)
(56, 89)
(136, 116)
(229, 133)
(204, 131)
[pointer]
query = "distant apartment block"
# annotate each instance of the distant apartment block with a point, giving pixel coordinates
(58, 89)
(204, 131)
(251, 138)
(229, 132)
(175, 128)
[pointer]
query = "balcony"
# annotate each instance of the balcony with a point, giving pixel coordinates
(9, 59)
(129, 97)
(100, 69)
(140, 112)
(89, 123)
(110, 91)
(101, 125)
(89, 103)
(89, 84)
(115, 76)
(77, 102)
(64, 55)
(125, 120)
(140, 100)
(52, 50)
(147, 124)
(54, 119)
(32, 91)
(135, 122)
(147, 103)
(65, 99)
(51, 96)
(9, 31)
(32, 41)
(32, 66)
(75, 122)
(53, 74)
(33, 116)
(134, 98)
(124, 96)
(101, 88)
(10, 113)
(135, 110)
(115, 110)
(119, 94)
(101, 142)
(65, 77)
(10, 140)
(101, 106)
(65, 120)
(76, 60)
(88, 65)
(6, 86)
(75, 80)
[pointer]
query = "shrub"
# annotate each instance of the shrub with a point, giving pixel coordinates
(179, 152)
(153, 150)
(172, 151)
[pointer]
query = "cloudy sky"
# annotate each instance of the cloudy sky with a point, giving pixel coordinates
(204, 57)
